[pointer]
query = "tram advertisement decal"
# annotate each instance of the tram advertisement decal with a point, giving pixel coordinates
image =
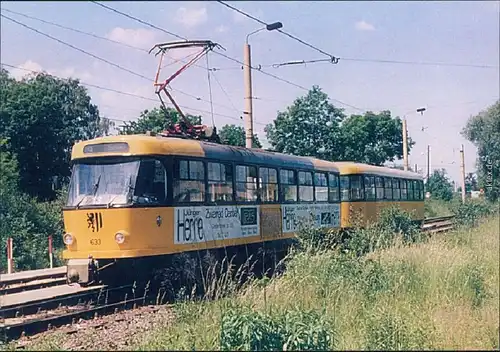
(203, 223)
(323, 215)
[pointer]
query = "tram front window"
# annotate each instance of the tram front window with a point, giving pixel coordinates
(112, 182)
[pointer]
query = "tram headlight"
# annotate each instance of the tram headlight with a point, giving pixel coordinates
(68, 239)
(119, 238)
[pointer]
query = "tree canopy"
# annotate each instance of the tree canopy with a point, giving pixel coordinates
(484, 131)
(312, 126)
(41, 117)
(471, 182)
(309, 127)
(439, 185)
(372, 138)
(235, 135)
(155, 120)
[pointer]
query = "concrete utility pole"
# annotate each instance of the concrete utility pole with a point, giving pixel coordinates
(428, 162)
(415, 168)
(405, 145)
(247, 76)
(462, 169)
(405, 139)
(248, 113)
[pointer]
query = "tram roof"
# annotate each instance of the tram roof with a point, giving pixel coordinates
(350, 168)
(142, 145)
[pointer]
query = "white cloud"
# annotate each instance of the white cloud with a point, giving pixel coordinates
(191, 17)
(30, 67)
(24, 69)
(221, 29)
(70, 72)
(143, 38)
(364, 26)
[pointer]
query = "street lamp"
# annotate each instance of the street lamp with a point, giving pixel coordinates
(247, 75)
(405, 138)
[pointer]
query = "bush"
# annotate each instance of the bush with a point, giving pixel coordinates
(311, 239)
(29, 223)
(436, 207)
(297, 330)
(392, 224)
(469, 213)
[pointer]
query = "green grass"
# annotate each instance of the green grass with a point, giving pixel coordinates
(437, 207)
(418, 293)
(441, 294)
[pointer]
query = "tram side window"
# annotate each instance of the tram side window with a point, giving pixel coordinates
(246, 183)
(370, 187)
(410, 190)
(306, 188)
(396, 192)
(404, 190)
(320, 187)
(420, 186)
(357, 191)
(151, 183)
(288, 186)
(220, 182)
(189, 181)
(268, 184)
(416, 190)
(379, 184)
(344, 188)
(388, 188)
(333, 194)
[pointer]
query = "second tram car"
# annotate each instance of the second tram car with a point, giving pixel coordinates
(366, 189)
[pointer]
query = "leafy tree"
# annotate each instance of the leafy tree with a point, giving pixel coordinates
(471, 183)
(309, 127)
(484, 131)
(155, 120)
(312, 126)
(235, 135)
(8, 170)
(439, 186)
(105, 126)
(25, 220)
(372, 138)
(41, 117)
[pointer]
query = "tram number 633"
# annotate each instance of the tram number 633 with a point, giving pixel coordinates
(95, 241)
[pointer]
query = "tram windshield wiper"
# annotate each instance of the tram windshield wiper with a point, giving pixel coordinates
(81, 200)
(130, 190)
(94, 192)
(96, 186)
(110, 203)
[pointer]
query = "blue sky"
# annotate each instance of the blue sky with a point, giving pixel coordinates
(450, 32)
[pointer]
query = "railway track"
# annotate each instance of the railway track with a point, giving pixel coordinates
(31, 280)
(30, 318)
(32, 315)
(438, 224)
